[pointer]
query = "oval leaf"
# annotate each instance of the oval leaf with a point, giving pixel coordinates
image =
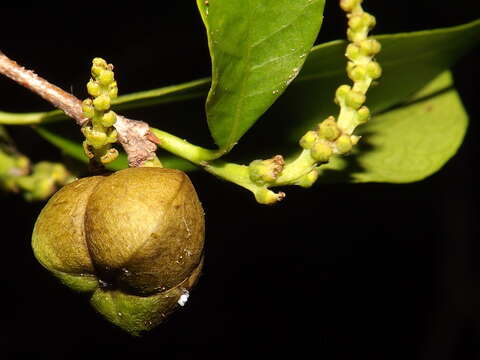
(257, 48)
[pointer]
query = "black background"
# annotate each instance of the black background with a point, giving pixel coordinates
(392, 275)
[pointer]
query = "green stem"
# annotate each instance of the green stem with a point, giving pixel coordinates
(184, 149)
(235, 173)
(299, 167)
(7, 118)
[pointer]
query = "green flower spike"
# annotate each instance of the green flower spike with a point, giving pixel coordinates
(335, 137)
(98, 131)
(12, 166)
(44, 180)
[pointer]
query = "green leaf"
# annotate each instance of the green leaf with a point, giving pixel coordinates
(74, 149)
(409, 61)
(168, 94)
(257, 48)
(407, 143)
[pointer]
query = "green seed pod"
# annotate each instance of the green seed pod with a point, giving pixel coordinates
(133, 241)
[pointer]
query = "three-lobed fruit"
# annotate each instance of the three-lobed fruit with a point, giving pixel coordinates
(132, 240)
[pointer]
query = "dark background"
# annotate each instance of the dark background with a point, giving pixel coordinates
(394, 275)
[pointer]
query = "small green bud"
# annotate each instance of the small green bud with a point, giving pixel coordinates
(96, 70)
(97, 139)
(113, 90)
(328, 129)
(106, 77)
(59, 173)
(357, 72)
(87, 108)
(353, 52)
(102, 103)
(94, 88)
(43, 188)
(321, 151)
(342, 92)
(98, 65)
(363, 114)
(374, 70)
(108, 119)
(344, 144)
(369, 20)
(22, 164)
(308, 139)
(99, 62)
(356, 22)
(370, 47)
(355, 99)
(268, 197)
(309, 179)
(355, 36)
(349, 5)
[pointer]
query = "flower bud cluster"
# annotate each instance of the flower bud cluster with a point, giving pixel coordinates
(335, 136)
(45, 178)
(326, 140)
(99, 132)
(12, 165)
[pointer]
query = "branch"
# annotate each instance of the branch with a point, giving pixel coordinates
(134, 135)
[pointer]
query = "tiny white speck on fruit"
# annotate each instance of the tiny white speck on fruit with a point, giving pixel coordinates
(182, 300)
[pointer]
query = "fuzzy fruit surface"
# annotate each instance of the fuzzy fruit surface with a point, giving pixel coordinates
(132, 240)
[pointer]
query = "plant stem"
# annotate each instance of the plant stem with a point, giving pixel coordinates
(183, 148)
(53, 94)
(132, 134)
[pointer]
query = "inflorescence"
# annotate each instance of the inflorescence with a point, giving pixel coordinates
(99, 131)
(333, 136)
